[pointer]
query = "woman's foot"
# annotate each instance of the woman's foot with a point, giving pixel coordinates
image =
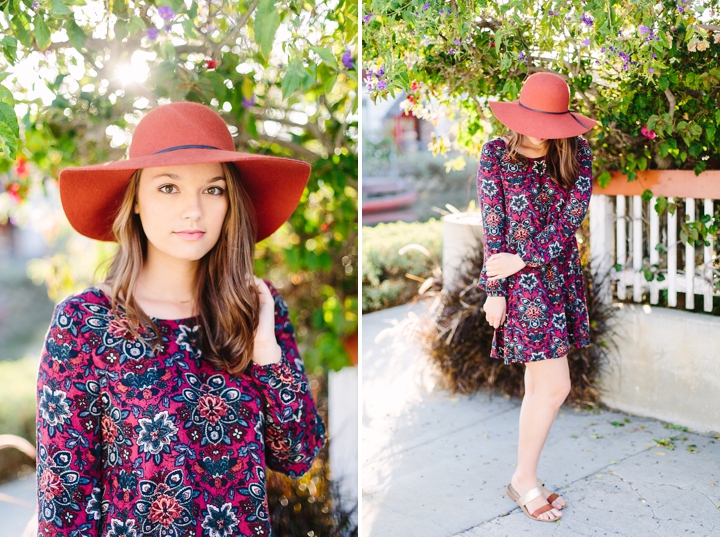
(522, 486)
(557, 503)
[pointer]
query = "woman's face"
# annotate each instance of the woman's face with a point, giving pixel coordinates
(182, 208)
(536, 142)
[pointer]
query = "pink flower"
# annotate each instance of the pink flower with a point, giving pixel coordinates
(648, 133)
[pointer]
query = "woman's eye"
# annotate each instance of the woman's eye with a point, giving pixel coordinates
(215, 190)
(165, 188)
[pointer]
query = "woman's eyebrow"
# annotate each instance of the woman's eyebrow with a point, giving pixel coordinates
(176, 177)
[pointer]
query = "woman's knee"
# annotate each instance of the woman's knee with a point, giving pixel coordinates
(552, 382)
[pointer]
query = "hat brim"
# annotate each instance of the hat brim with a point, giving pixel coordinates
(539, 124)
(91, 195)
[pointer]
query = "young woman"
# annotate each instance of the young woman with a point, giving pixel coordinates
(534, 187)
(165, 392)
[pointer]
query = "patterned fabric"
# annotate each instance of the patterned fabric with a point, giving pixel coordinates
(132, 444)
(526, 213)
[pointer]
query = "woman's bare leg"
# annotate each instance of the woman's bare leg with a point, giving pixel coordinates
(529, 390)
(549, 382)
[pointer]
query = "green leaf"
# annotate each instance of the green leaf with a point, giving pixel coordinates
(8, 117)
(647, 195)
(604, 179)
(661, 204)
(119, 7)
(9, 45)
(121, 30)
(58, 8)
(265, 25)
(326, 55)
(218, 84)
(329, 84)
(189, 28)
(42, 33)
(135, 25)
(76, 35)
(294, 75)
(9, 141)
(6, 95)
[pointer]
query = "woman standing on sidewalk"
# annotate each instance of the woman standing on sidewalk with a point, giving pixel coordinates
(165, 392)
(534, 187)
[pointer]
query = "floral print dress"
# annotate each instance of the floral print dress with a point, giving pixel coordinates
(525, 212)
(135, 444)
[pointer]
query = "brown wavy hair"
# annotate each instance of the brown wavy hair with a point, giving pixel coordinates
(227, 299)
(560, 160)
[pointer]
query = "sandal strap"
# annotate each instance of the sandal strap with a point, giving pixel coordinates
(552, 497)
(541, 510)
(529, 496)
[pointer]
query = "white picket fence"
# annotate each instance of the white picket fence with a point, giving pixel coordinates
(625, 230)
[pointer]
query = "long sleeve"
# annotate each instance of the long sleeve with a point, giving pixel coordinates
(491, 199)
(294, 431)
(562, 225)
(68, 431)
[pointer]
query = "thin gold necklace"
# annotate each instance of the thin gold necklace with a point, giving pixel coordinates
(163, 298)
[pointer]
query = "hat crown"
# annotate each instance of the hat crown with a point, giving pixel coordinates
(179, 124)
(545, 91)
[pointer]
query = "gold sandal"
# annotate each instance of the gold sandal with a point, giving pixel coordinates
(527, 497)
(552, 497)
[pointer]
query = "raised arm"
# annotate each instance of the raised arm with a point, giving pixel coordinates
(491, 198)
(562, 225)
(294, 431)
(68, 431)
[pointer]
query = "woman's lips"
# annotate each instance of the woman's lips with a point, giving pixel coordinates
(190, 235)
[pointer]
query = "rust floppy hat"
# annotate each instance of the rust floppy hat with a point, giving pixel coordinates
(176, 134)
(541, 110)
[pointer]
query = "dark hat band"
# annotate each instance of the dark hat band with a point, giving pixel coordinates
(190, 146)
(546, 112)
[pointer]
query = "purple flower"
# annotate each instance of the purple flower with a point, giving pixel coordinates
(644, 29)
(602, 49)
(380, 72)
(35, 5)
(152, 33)
(680, 8)
(382, 85)
(521, 56)
(452, 51)
(347, 60)
(247, 103)
(166, 12)
(425, 6)
(654, 55)
(168, 27)
(457, 41)
(586, 41)
(651, 70)
(366, 18)
(587, 19)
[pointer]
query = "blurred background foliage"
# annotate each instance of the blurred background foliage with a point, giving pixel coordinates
(76, 76)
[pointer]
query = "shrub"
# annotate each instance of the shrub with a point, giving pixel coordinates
(384, 280)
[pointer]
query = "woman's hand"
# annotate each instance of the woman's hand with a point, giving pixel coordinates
(266, 349)
(502, 265)
(494, 309)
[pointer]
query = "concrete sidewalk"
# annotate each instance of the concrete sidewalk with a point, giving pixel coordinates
(17, 505)
(435, 464)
